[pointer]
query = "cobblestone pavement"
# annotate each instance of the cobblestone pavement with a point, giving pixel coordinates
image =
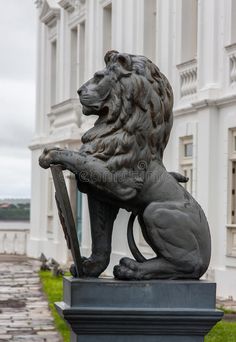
(24, 312)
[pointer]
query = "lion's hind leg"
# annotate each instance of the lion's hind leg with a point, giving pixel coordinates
(171, 232)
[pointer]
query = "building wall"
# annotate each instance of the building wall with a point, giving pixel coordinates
(194, 44)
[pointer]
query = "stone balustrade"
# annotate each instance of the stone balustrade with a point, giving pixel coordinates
(13, 237)
(188, 78)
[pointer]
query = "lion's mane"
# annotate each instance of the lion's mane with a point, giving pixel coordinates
(139, 114)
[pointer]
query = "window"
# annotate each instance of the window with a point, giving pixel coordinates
(107, 28)
(53, 72)
(189, 30)
(233, 193)
(81, 53)
(73, 61)
(149, 39)
(232, 177)
(188, 150)
(186, 161)
(231, 225)
(77, 69)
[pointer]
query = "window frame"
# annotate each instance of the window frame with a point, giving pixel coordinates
(186, 162)
(231, 219)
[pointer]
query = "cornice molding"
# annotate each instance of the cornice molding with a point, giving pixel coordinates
(72, 5)
(50, 12)
(194, 106)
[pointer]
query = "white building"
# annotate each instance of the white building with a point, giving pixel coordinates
(194, 44)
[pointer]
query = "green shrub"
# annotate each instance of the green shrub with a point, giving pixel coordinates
(14, 214)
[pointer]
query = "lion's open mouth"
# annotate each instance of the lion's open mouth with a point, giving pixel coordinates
(104, 111)
(95, 110)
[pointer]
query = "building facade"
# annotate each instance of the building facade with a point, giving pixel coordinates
(194, 44)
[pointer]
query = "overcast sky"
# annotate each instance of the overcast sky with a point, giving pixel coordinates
(17, 95)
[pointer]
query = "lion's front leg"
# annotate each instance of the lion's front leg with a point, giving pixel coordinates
(102, 217)
(90, 170)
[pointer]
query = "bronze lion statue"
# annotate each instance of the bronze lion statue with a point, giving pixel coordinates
(119, 165)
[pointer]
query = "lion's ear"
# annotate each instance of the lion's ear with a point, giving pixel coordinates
(108, 56)
(125, 60)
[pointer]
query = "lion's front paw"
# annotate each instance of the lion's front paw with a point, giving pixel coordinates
(48, 157)
(94, 267)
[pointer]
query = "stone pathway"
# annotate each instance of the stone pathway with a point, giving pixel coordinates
(24, 312)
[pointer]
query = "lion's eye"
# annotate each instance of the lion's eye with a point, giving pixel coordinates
(98, 77)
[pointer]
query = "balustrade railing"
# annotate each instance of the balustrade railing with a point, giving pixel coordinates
(188, 78)
(13, 237)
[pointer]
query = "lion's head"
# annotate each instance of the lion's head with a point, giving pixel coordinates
(134, 101)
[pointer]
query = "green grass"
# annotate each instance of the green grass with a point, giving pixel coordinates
(222, 332)
(53, 287)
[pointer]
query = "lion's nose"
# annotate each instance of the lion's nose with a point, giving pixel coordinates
(79, 91)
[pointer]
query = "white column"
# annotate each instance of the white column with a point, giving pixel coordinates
(38, 208)
(127, 21)
(207, 172)
(138, 27)
(91, 36)
(208, 47)
(61, 56)
(117, 27)
(165, 51)
(39, 129)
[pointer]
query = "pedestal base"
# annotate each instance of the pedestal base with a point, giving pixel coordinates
(108, 310)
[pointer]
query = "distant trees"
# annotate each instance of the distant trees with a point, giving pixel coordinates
(14, 212)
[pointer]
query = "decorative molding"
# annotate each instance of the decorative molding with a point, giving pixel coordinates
(188, 77)
(65, 116)
(69, 5)
(231, 50)
(50, 12)
(194, 106)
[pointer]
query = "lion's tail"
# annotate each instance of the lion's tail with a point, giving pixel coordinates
(131, 242)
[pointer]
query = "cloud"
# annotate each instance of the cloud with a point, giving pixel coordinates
(17, 95)
(17, 113)
(17, 39)
(15, 177)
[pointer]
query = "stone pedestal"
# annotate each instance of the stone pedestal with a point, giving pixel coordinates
(108, 310)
